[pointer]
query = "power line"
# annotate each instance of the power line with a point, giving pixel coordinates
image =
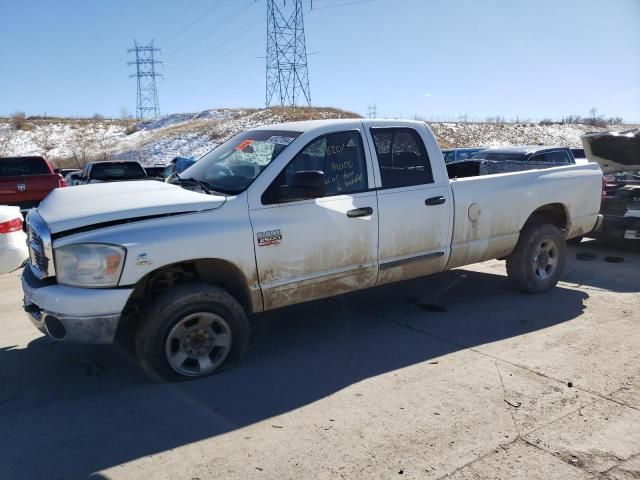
(147, 104)
(196, 37)
(197, 67)
(287, 73)
(343, 4)
(219, 42)
(200, 17)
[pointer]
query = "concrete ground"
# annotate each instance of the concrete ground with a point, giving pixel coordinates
(452, 376)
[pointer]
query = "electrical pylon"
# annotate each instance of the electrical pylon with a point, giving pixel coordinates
(147, 104)
(287, 70)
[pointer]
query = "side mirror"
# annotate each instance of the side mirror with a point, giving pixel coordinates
(305, 185)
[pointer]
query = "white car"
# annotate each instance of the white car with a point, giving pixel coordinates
(281, 215)
(13, 240)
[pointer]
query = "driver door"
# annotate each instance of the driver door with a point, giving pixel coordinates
(319, 247)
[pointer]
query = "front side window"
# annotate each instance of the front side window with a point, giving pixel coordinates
(402, 157)
(339, 156)
(233, 166)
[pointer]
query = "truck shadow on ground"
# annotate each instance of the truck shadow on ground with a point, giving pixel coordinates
(67, 411)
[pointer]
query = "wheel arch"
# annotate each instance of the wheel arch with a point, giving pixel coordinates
(556, 214)
(214, 271)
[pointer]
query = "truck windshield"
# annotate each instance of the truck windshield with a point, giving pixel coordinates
(231, 167)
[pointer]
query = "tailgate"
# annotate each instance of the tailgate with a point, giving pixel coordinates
(26, 189)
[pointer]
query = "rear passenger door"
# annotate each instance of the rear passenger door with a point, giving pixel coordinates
(414, 204)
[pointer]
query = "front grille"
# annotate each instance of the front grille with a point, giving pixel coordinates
(39, 242)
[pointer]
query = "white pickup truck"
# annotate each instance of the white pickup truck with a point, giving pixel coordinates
(281, 215)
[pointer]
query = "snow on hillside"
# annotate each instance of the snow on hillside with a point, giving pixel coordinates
(73, 141)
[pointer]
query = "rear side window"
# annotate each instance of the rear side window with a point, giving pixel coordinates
(16, 166)
(557, 157)
(402, 157)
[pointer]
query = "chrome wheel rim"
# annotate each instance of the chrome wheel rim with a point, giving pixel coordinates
(198, 344)
(545, 259)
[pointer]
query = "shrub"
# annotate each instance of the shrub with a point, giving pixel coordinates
(19, 120)
(131, 129)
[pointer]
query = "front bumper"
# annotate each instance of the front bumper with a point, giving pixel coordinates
(83, 315)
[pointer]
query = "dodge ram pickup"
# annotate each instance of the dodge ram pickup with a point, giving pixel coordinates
(25, 181)
(280, 215)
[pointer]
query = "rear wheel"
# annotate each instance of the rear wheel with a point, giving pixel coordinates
(538, 260)
(193, 330)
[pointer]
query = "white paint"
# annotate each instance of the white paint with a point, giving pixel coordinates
(322, 252)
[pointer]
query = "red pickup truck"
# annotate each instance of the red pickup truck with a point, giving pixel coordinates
(25, 181)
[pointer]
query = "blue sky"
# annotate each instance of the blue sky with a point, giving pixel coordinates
(437, 59)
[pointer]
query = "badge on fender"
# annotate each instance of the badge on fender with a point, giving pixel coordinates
(272, 237)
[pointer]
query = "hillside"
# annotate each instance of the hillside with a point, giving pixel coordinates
(73, 142)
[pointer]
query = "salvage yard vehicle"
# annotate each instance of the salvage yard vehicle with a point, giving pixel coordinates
(155, 171)
(177, 165)
(25, 181)
(618, 155)
(113, 171)
(457, 154)
(280, 215)
(511, 159)
(13, 241)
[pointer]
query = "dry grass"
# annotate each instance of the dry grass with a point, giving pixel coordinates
(294, 114)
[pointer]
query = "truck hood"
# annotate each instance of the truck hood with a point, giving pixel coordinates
(86, 205)
(614, 151)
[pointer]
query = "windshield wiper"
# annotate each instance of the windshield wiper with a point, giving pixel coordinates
(203, 185)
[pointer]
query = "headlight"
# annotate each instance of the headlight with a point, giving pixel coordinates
(89, 264)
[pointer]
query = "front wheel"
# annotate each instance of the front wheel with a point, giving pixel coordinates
(538, 260)
(193, 330)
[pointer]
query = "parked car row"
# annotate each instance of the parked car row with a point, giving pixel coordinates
(25, 181)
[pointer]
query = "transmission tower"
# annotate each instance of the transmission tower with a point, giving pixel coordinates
(147, 105)
(287, 72)
(372, 111)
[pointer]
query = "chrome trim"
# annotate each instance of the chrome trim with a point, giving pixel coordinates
(404, 261)
(93, 329)
(40, 246)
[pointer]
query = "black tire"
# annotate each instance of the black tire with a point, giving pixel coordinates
(575, 240)
(522, 267)
(172, 308)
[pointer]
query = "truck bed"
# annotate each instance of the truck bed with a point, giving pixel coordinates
(503, 202)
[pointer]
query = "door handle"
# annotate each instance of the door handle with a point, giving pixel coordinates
(435, 201)
(360, 212)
